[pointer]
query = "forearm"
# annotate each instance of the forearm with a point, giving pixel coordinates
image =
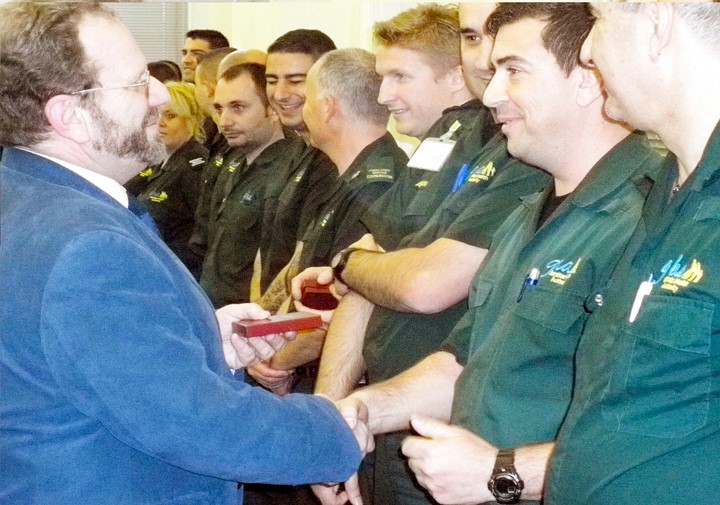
(415, 279)
(306, 347)
(426, 389)
(342, 364)
(531, 463)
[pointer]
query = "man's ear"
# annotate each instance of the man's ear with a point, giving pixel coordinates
(330, 107)
(588, 85)
(455, 78)
(66, 118)
(662, 15)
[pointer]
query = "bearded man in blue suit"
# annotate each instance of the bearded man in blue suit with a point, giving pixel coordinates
(114, 385)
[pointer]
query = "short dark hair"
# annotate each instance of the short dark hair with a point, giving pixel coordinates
(314, 43)
(165, 70)
(256, 73)
(568, 25)
(208, 63)
(41, 56)
(213, 37)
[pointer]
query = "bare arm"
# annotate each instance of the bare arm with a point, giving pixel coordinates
(415, 279)
(426, 389)
(342, 364)
(305, 348)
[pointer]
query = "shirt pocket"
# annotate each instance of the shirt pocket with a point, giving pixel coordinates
(420, 203)
(541, 341)
(661, 384)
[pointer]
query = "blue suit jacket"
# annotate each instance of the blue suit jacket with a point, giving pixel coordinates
(113, 386)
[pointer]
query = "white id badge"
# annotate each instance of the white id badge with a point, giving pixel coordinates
(431, 154)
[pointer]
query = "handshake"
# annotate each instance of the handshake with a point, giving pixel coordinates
(355, 413)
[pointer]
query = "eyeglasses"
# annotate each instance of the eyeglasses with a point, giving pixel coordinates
(142, 83)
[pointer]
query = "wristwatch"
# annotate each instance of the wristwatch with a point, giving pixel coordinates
(505, 484)
(339, 262)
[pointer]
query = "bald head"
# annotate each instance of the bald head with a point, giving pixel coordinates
(240, 56)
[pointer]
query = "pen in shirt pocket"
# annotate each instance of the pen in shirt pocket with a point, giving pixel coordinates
(530, 281)
(461, 177)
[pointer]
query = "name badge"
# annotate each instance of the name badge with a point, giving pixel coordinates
(433, 152)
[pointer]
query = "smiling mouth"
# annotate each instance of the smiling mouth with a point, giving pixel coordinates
(288, 107)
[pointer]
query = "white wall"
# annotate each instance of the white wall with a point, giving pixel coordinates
(257, 25)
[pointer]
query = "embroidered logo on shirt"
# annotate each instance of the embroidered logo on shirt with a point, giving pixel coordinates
(560, 271)
(248, 197)
(679, 273)
(146, 173)
(196, 162)
(482, 174)
(421, 184)
(379, 173)
(218, 161)
(158, 197)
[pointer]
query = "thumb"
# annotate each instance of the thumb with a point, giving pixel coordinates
(431, 428)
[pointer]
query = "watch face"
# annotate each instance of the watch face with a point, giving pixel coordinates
(506, 487)
(336, 259)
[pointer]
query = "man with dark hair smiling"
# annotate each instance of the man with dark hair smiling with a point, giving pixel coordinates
(197, 44)
(504, 375)
(245, 194)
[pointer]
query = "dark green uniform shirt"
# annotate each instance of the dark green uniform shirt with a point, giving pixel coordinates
(518, 341)
(408, 206)
(338, 224)
(298, 205)
(394, 341)
(208, 176)
(644, 425)
(243, 205)
(171, 196)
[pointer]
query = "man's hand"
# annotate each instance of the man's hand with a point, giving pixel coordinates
(355, 413)
(336, 494)
(279, 382)
(321, 275)
(242, 352)
(452, 463)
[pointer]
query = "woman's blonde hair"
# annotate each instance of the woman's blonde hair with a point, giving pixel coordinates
(182, 100)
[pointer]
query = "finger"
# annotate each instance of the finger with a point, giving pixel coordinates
(244, 354)
(352, 488)
(266, 370)
(328, 495)
(414, 447)
(325, 276)
(349, 411)
(431, 428)
(277, 341)
(262, 349)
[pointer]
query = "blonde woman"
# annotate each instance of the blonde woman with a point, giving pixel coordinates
(171, 191)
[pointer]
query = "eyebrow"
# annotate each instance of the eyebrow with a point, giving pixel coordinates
(468, 30)
(509, 59)
(285, 76)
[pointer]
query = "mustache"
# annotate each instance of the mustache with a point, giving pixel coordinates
(151, 116)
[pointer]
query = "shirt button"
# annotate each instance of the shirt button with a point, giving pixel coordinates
(599, 300)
